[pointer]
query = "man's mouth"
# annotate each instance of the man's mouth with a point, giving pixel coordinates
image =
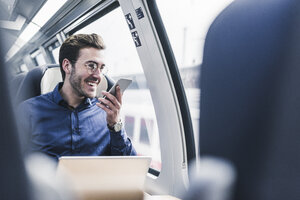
(93, 82)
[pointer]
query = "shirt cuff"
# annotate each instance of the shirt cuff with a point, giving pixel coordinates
(118, 139)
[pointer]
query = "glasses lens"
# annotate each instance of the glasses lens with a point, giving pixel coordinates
(91, 67)
(104, 70)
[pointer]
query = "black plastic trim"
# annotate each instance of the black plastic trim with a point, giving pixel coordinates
(185, 112)
(154, 172)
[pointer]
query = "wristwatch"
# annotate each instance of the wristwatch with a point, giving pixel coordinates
(116, 127)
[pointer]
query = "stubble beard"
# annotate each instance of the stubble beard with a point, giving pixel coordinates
(75, 82)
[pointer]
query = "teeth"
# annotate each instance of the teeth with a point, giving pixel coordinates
(92, 84)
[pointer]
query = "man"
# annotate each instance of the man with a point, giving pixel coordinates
(70, 120)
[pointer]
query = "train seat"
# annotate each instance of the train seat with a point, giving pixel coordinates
(43, 79)
(15, 83)
(250, 96)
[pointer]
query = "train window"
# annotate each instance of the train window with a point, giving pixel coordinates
(38, 58)
(129, 125)
(54, 51)
(23, 68)
(144, 131)
(187, 37)
(123, 61)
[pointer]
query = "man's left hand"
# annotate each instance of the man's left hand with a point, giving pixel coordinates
(111, 105)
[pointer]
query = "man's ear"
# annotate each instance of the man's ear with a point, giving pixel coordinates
(66, 65)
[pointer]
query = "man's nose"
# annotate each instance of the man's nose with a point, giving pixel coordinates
(97, 71)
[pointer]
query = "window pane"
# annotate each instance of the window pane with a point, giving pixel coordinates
(54, 51)
(122, 61)
(187, 23)
(23, 68)
(144, 135)
(129, 126)
(40, 59)
(55, 54)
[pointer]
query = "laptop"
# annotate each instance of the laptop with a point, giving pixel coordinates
(105, 177)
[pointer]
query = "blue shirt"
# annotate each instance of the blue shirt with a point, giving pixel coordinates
(52, 127)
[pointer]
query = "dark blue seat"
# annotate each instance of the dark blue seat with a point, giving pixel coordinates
(250, 96)
(15, 83)
(30, 86)
(13, 181)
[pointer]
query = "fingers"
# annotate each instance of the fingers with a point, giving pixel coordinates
(110, 110)
(111, 105)
(110, 101)
(116, 100)
(119, 94)
(105, 108)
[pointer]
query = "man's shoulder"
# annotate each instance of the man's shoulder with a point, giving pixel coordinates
(44, 99)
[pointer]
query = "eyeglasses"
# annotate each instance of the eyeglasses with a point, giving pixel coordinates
(92, 67)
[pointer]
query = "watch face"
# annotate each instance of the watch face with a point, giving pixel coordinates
(118, 126)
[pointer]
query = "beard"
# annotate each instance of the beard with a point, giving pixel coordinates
(78, 85)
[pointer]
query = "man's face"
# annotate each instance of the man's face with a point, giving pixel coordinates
(83, 81)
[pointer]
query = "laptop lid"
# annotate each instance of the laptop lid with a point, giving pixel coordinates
(105, 173)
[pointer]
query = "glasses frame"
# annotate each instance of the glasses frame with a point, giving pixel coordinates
(103, 69)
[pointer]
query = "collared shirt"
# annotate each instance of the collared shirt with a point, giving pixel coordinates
(52, 127)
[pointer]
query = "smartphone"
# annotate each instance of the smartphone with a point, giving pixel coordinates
(123, 83)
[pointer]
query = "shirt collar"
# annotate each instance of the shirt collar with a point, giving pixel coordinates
(56, 95)
(88, 102)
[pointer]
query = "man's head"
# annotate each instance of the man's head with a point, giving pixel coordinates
(81, 63)
(72, 45)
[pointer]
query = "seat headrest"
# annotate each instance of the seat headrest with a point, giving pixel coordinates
(50, 78)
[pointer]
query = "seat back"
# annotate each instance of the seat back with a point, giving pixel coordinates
(43, 79)
(14, 181)
(250, 98)
(15, 83)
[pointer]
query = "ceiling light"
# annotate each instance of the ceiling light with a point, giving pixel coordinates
(38, 21)
(47, 11)
(30, 30)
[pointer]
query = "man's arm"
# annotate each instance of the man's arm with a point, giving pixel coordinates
(119, 142)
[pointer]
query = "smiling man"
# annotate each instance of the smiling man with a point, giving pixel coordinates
(70, 120)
